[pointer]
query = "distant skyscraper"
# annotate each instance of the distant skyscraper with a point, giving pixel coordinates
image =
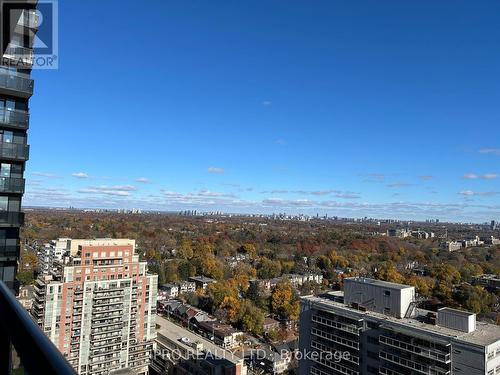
(16, 87)
(99, 309)
(493, 224)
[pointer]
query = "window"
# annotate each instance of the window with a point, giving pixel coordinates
(6, 136)
(4, 203)
(5, 170)
(387, 292)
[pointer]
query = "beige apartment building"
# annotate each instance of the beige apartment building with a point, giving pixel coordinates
(99, 307)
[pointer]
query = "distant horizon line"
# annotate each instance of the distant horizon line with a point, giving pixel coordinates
(221, 213)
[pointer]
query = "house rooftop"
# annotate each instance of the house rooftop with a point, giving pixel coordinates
(202, 279)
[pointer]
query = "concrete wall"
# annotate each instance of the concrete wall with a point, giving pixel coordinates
(467, 359)
(305, 336)
(383, 298)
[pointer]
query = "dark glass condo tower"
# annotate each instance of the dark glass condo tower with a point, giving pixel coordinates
(19, 23)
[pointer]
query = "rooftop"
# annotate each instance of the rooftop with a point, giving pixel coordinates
(449, 310)
(484, 335)
(382, 284)
(202, 279)
(174, 332)
(218, 328)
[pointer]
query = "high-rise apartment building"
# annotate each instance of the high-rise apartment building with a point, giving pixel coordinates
(16, 87)
(99, 307)
(52, 253)
(375, 327)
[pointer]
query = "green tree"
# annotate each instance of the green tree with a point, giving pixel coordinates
(251, 318)
(268, 269)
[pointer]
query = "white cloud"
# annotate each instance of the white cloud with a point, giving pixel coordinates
(489, 176)
(426, 178)
(494, 151)
(216, 170)
(399, 184)
(80, 175)
(117, 190)
(143, 180)
(374, 177)
(267, 103)
(470, 176)
(43, 174)
(470, 193)
(119, 193)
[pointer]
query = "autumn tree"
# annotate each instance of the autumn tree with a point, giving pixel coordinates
(220, 291)
(249, 249)
(388, 272)
(284, 301)
(232, 306)
(185, 251)
(251, 318)
(268, 269)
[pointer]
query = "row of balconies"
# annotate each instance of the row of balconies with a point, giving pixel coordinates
(323, 348)
(104, 331)
(100, 360)
(110, 301)
(423, 369)
(108, 295)
(107, 315)
(104, 340)
(316, 371)
(331, 323)
(107, 330)
(335, 338)
(112, 343)
(110, 307)
(424, 352)
(387, 371)
(105, 322)
(335, 366)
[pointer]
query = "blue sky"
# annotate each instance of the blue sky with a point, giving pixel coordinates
(352, 108)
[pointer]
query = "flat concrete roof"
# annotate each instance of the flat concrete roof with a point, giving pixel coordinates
(383, 284)
(484, 335)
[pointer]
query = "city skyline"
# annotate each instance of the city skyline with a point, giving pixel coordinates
(375, 110)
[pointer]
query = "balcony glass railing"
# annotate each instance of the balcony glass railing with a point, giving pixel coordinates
(16, 82)
(18, 56)
(14, 151)
(11, 185)
(14, 118)
(422, 351)
(38, 354)
(11, 218)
